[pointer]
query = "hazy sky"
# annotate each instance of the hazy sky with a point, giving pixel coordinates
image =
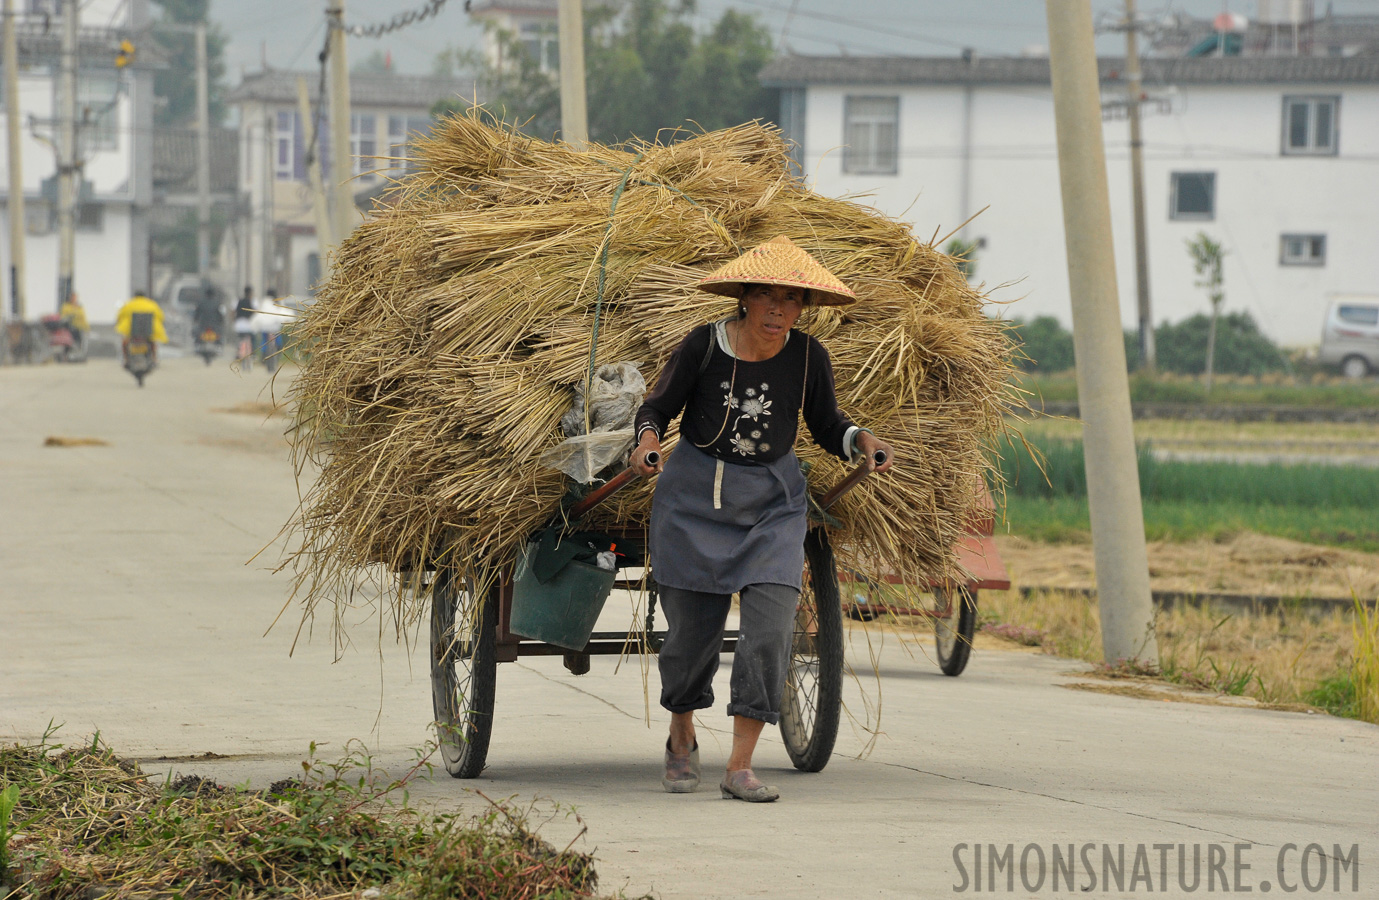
(288, 33)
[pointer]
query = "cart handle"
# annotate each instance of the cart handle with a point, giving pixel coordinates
(850, 482)
(611, 487)
(653, 458)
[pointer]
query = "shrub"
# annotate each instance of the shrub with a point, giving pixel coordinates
(1240, 347)
(1045, 344)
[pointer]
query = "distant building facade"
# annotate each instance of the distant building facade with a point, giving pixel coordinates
(279, 248)
(115, 115)
(1276, 157)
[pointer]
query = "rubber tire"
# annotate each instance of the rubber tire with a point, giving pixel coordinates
(955, 644)
(139, 377)
(463, 708)
(1354, 367)
(809, 720)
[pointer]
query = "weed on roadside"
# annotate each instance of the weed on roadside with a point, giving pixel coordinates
(88, 823)
(1284, 658)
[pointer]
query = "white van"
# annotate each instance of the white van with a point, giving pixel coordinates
(1350, 337)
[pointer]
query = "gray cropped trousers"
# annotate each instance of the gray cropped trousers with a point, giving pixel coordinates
(694, 641)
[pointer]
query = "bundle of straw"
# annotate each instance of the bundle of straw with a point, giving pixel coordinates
(445, 345)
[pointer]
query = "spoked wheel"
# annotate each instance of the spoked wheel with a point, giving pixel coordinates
(813, 697)
(953, 634)
(464, 670)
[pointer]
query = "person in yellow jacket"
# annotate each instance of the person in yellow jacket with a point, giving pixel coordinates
(124, 319)
(74, 317)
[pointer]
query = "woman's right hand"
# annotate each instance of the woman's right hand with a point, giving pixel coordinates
(648, 443)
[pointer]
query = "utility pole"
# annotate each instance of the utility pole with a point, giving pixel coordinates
(1103, 390)
(324, 239)
(203, 156)
(18, 304)
(1136, 92)
(68, 166)
(341, 162)
(574, 110)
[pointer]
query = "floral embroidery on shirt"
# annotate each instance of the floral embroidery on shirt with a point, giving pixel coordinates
(754, 407)
(745, 446)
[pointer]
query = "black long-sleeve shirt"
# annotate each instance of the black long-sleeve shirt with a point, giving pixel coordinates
(749, 416)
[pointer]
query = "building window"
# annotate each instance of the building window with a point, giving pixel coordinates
(402, 130)
(90, 217)
(1311, 126)
(541, 41)
(289, 161)
(98, 112)
(1193, 196)
(364, 145)
(871, 128)
(38, 217)
(792, 123)
(1302, 250)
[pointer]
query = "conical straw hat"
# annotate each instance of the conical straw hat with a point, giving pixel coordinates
(778, 261)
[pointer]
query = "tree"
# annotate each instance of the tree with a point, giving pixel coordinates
(376, 63)
(646, 69)
(175, 86)
(1206, 262)
(964, 253)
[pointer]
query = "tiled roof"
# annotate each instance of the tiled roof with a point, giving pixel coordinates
(796, 71)
(389, 91)
(174, 160)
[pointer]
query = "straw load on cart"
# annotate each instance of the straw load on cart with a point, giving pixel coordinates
(458, 321)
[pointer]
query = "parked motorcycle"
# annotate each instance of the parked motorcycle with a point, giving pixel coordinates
(208, 344)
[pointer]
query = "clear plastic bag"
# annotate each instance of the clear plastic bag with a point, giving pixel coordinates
(617, 393)
(618, 390)
(584, 456)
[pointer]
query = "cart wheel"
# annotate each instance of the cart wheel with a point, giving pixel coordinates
(813, 696)
(953, 635)
(464, 670)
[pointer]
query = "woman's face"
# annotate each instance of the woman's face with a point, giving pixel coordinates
(772, 310)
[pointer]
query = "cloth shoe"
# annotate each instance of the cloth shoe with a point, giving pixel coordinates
(682, 771)
(744, 785)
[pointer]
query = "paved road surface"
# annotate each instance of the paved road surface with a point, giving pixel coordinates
(127, 605)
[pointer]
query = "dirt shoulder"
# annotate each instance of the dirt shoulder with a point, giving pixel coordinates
(1246, 564)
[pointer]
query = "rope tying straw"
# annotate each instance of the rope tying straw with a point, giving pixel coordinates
(603, 266)
(598, 299)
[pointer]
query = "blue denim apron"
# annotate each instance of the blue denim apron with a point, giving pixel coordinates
(718, 526)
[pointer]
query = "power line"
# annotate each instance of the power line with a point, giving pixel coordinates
(399, 21)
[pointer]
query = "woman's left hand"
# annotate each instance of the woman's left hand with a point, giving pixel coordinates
(869, 445)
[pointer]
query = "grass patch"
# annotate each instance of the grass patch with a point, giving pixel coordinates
(1062, 520)
(1046, 490)
(86, 823)
(1268, 390)
(1294, 657)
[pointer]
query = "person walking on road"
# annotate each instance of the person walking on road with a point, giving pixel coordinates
(729, 513)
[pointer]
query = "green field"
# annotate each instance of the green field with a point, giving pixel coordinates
(1323, 391)
(1323, 504)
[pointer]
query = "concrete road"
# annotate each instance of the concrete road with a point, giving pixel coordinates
(128, 606)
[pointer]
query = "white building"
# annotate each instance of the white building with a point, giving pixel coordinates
(386, 111)
(115, 140)
(1276, 157)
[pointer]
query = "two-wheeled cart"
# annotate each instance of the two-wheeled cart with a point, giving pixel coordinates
(954, 606)
(471, 633)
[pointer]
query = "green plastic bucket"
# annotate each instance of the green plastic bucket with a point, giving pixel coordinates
(563, 609)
